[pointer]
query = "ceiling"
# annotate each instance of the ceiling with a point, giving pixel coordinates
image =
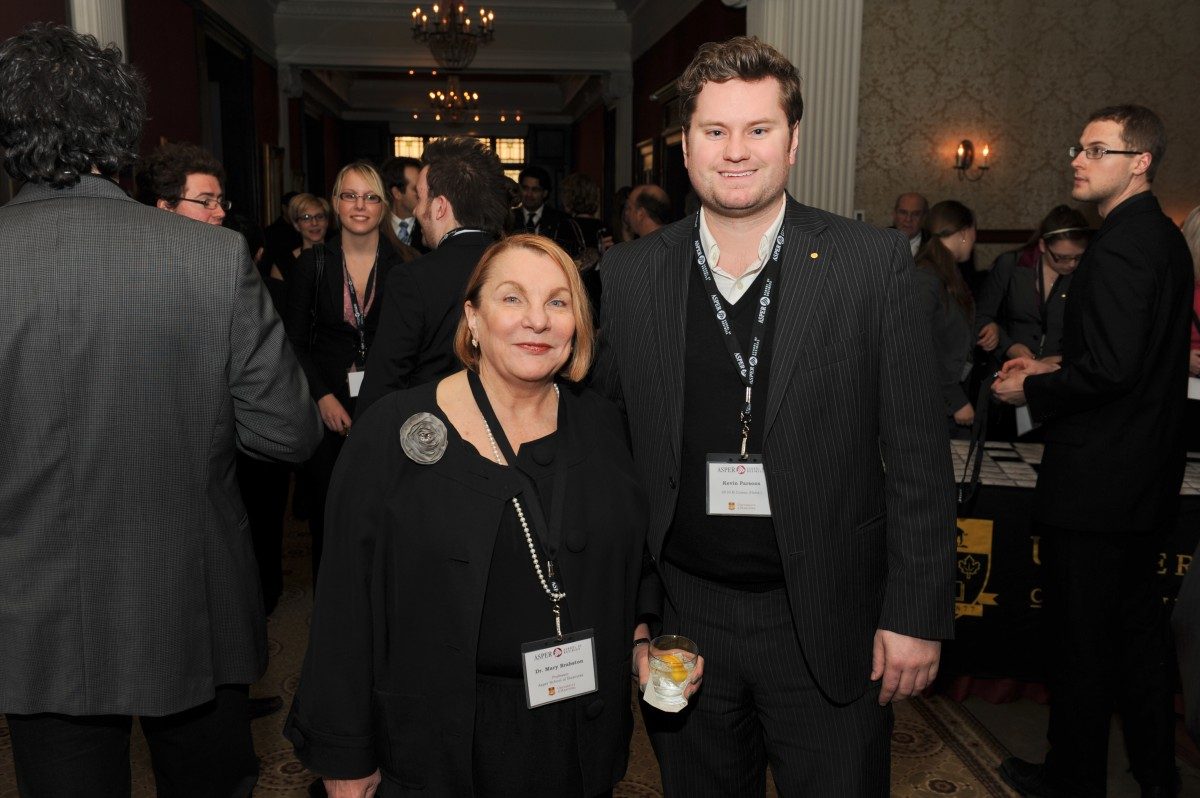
(550, 59)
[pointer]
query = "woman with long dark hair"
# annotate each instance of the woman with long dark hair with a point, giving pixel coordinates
(946, 301)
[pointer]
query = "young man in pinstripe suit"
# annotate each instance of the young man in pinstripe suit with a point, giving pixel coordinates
(779, 344)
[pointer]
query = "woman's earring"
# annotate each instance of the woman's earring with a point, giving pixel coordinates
(474, 343)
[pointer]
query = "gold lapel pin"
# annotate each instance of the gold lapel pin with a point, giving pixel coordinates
(814, 255)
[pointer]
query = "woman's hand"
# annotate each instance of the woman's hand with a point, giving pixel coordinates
(1194, 363)
(1019, 350)
(333, 414)
(965, 415)
(989, 337)
(353, 788)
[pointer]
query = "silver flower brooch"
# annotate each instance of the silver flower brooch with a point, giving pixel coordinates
(423, 438)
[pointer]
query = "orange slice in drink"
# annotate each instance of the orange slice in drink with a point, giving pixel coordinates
(679, 673)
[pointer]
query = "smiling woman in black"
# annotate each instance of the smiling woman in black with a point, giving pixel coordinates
(471, 520)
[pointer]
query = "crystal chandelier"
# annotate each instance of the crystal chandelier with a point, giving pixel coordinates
(453, 98)
(452, 36)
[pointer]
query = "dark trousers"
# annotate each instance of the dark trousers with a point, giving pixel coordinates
(264, 488)
(203, 752)
(759, 705)
(1109, 651)
(319, 470)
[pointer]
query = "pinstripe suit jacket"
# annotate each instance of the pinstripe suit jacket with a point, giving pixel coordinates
(136, 348)
(855, 444)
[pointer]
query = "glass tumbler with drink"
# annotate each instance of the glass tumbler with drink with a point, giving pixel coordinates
(672, 660)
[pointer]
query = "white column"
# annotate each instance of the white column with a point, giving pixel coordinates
(104, 19)
(823, 38)
(619, 96)
(291, 86)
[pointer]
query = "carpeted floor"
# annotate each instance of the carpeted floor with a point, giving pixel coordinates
(938, 747)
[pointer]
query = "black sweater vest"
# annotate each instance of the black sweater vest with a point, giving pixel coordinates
(738, 551)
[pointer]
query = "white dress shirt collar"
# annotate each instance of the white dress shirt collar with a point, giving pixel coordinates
(732, 288)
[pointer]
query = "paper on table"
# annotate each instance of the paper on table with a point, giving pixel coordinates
(1193, 388)
(1024, 420)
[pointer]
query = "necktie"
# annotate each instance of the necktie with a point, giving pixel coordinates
(530, 225)
(405, 231)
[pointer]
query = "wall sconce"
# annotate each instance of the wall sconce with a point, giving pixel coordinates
(964, 158)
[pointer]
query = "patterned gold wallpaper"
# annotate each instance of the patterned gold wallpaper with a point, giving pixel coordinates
(1022, 76)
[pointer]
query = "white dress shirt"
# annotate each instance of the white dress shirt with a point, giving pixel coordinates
(732, 287)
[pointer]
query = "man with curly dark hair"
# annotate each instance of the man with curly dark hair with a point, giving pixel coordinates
(140, 353)
(184, 179)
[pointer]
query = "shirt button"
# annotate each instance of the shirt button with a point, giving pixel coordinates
(737, 286)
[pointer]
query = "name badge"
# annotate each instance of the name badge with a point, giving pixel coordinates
(556, 670)
(354, 380)
(736, 487)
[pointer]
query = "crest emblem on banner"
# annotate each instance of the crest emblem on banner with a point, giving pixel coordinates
(974, 568)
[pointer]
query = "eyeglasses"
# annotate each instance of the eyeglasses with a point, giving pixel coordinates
(1054, 256)
(210, 203)
(369, 198)
(311, 217)
(1096, 153)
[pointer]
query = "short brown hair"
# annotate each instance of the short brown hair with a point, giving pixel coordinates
(580, 194)
(583, 344)
(1141, 130)
(301, 201)
(466, 172)
(745, 58)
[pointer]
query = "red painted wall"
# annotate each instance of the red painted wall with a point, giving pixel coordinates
(710, 21)
(266, 103)
(333, 149)
(587, 145)
(14, 16)
(295, 134)
(162, 44)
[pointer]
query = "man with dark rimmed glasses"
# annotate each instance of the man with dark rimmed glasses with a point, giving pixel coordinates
(1108, 486)
(187, 180)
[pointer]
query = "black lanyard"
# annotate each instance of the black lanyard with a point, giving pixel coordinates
(360, 319)
(457, 232)
(548, 535)
(746, 366)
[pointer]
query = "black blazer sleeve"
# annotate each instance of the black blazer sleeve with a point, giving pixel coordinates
(298, 318)
(991, 299)
(397, 346)
(948, 362)
(1118, 307)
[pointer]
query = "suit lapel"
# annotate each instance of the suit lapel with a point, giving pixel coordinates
(802, 286)
(668, 322)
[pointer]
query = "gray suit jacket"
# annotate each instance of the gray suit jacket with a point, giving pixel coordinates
(137, 348)
(855, 444)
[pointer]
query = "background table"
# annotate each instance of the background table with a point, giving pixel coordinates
(998, 583)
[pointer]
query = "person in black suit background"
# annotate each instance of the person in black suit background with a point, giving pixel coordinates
(462, 204)
(1108, 485)
(818, 610)
(908, 216)
(536, 215)
(413, 676)
(333, 311)
(281, 238)
(400, 179)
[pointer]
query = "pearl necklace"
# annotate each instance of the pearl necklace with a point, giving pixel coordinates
(555, 597)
